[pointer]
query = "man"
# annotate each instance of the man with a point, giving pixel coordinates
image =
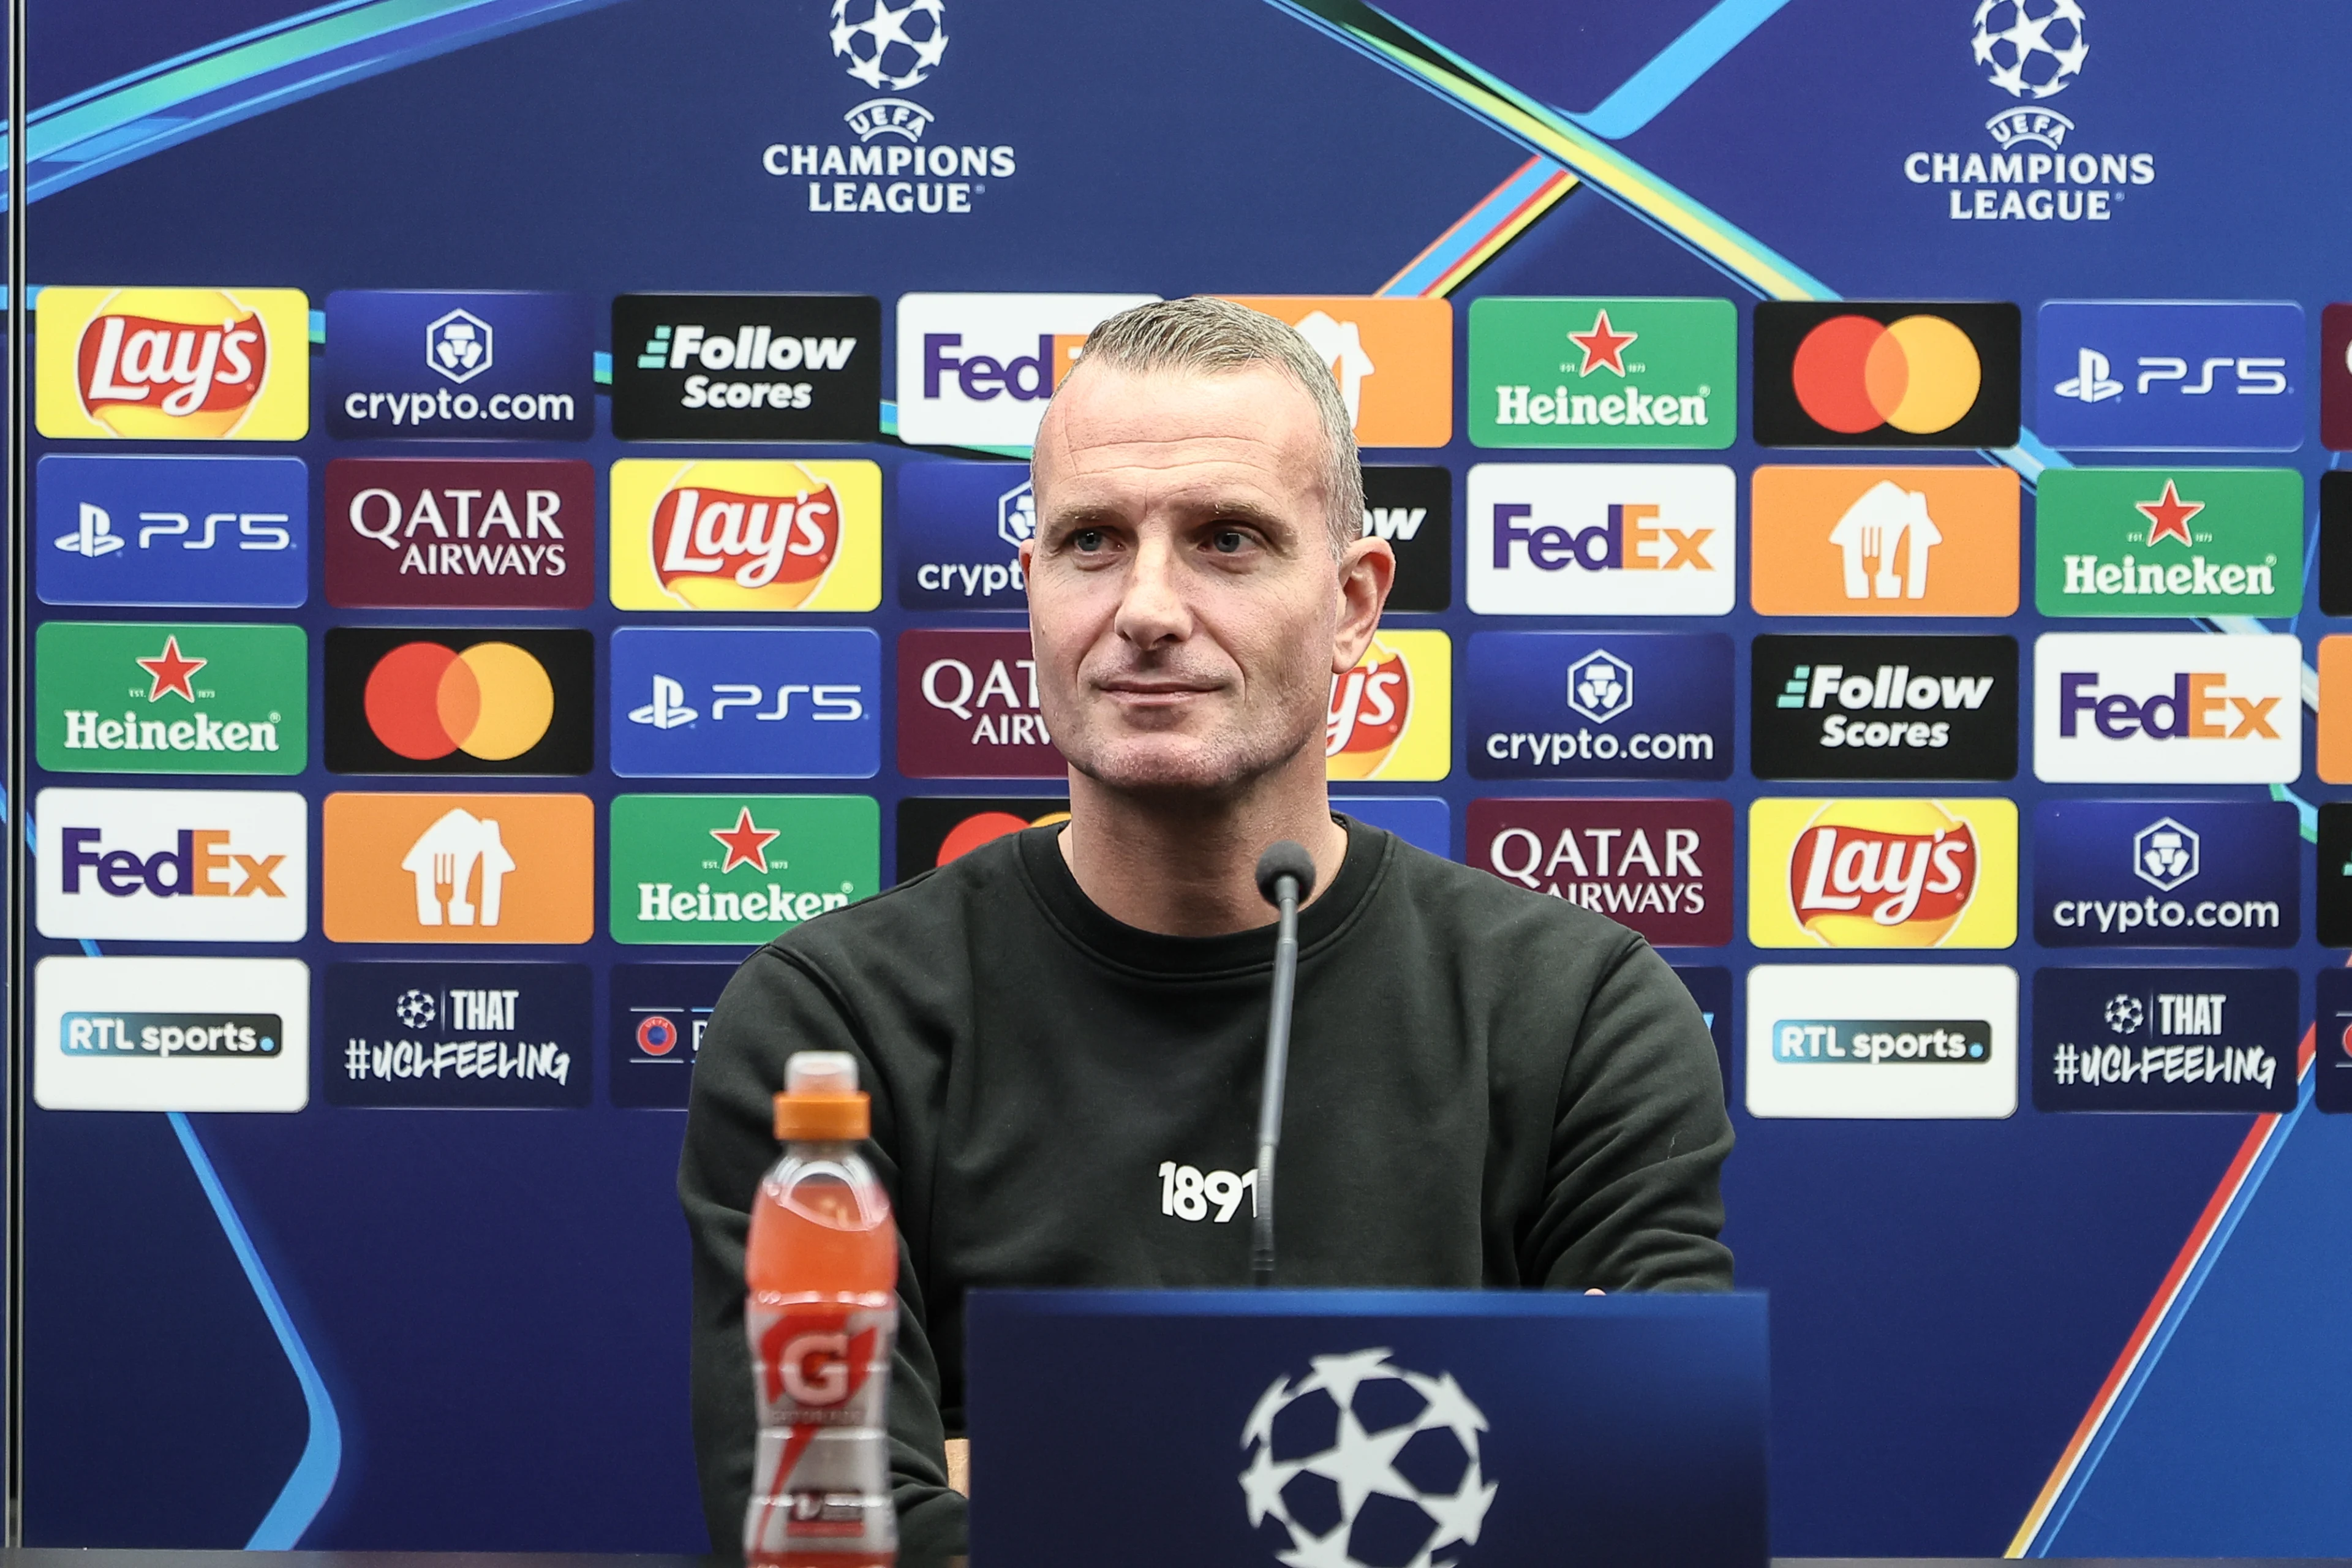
(1488, 1088)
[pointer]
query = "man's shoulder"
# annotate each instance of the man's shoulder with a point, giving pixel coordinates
(1483, 914)
(916, 919)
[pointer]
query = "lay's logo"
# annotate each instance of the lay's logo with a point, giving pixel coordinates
(735, 535)
(1392, 713)
(1882, 873)
(191, 364)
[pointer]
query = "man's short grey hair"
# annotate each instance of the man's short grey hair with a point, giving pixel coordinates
(1209, 336)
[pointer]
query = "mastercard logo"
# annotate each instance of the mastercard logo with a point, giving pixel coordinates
(1831, 374)
(492, 701)
(1921, 374)
(986, 828)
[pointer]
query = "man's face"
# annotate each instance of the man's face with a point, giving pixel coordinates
(1186, 605)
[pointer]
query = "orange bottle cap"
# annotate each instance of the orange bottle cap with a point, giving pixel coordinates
(823, 1117)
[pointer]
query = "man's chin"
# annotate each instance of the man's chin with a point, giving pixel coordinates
(1166, 766)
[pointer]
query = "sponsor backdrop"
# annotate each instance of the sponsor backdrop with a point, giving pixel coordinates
(1861, 490)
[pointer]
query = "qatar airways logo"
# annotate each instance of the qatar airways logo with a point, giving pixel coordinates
(2170, 707)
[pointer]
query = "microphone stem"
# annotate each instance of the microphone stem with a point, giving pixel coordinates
(1277, 1070)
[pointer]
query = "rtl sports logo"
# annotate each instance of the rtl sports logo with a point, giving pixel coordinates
(659, 1014)
(2166, 1040)
(1883, 708)
(1891, 1041)
(1661, 866)
(746, 535)
(171, 1034)
(1884, 541)
(737, 869)
(1394, 360)
(2167, 708)
(172, 531)
(2169, 542)
(747, 367)
(2175, 873)
(1602, 539)
(174, 364)
(1892, 374)
(1621, 705)
(1391, 714)
(747, 702)
(128, 697)
(976, 370)
(488, 1036)
(1882, 873)
(464, 869)
(2177, 375)
(477, 701)
(1603, 372)
(477, 533)
(174, 865)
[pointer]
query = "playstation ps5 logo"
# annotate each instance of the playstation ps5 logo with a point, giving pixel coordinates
(2090, 382)
(668, 710)
(94, 537)
(458, 347)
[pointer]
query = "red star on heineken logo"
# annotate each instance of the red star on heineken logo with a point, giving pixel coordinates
(170, 670)
(2169, 515)
(1602, 346)
(747, 842)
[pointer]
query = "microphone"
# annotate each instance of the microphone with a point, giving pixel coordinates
(1286, 875)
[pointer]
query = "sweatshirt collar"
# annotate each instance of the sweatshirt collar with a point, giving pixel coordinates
(1079, 919)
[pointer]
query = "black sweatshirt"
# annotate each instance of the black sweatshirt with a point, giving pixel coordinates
(1487, 1087)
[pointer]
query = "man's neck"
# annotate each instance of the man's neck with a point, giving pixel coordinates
(1189, 869)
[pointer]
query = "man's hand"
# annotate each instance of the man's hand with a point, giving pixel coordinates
(959, 1461)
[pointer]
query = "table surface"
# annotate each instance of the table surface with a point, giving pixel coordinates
(114, 1557)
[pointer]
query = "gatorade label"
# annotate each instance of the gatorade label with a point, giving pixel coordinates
(822, 1371)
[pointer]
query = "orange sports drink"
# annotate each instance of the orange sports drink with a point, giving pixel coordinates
(822, 1270)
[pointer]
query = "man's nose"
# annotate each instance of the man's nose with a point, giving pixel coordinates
(1152, 609)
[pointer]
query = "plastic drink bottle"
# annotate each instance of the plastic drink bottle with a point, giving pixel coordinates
(822, 1271)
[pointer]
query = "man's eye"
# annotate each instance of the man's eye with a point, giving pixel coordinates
(1087, 540)
(1229, 541)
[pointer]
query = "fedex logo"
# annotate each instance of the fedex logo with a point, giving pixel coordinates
(2171, 708)
(172, 865)
(977, 370)
(1627, 538)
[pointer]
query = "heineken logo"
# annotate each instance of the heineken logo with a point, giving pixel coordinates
(1602, 373)
(127, 697)
(2169, 542)
(738, 869)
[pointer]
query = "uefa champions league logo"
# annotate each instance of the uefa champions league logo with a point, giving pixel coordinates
(1363, 1462)
(891, 48)
(2030, 48)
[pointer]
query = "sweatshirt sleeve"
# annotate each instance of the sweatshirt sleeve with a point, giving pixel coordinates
(1633, 1198)
(772, 1008)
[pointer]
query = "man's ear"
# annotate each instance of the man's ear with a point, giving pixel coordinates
(1027, 554)
(1367, 572)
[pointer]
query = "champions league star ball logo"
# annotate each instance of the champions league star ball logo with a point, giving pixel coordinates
(1362, 1462)
(891, 48)
(2030, 48)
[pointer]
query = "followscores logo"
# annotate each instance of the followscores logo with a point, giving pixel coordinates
(1558, 539)
(171, 1034)
(746, 702)
(499, 366)
(1885, 541)
(1612, 706)
(172, 865)
(1883, 708)
(746, 535)
(747, 367)
(2175, 375)
(1882, 873)
(172, 531)
(2167, 708)
(1412, 507)
(975, 370)
(2112, 873)
(1881, 1041)
(174, 364)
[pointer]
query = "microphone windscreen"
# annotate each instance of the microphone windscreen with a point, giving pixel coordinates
(1286, 859)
